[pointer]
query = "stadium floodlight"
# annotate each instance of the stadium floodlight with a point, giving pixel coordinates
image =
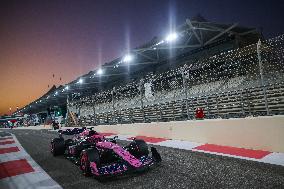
(56, 93)
(172, 37)
(67, 87)
(80, 81)
(100, 71)
(127, 58)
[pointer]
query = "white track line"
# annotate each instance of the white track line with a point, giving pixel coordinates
(274, 158)
(38, 179)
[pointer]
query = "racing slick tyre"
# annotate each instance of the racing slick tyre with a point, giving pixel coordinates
(87, 156)
(57, 146)
(68, 142)
(138, 148)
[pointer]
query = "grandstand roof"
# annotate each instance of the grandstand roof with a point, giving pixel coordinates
(196, 38)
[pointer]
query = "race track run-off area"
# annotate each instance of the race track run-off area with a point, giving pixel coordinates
(26, 162)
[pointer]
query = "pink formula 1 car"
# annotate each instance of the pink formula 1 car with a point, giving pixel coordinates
(101, 157)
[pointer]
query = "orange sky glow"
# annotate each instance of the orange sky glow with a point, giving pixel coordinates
(39, 38)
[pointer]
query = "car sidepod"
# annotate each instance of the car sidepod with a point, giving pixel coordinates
(128, 164)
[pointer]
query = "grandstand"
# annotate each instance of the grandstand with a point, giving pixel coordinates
(228, 70)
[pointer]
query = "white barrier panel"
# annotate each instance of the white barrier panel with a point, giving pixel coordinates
(265, 133)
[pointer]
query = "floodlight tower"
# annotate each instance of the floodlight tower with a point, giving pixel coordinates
(172, 37)
(127, 58)
(100, 71)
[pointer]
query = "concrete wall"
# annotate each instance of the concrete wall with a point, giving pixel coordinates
(266, 133)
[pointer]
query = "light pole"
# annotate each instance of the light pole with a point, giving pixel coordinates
(141, 99)
(113, 109)
(94, 110)
(185, 92)
(67, 108)
(261, 74)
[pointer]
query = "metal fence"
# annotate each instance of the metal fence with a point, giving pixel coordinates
(242, 82)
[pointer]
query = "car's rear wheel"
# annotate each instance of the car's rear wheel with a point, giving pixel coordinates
(87, 156)
(57, 146)
(138, 148)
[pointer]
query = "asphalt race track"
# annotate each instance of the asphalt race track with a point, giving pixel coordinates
(179, 169)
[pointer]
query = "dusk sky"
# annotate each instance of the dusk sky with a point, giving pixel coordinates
(39, 38)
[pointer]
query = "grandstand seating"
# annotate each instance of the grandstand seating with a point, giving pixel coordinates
(225, 101)
(226, 85)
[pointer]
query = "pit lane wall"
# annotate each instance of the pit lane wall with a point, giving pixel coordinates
(261, 133)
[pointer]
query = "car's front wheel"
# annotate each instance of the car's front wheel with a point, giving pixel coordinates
(138, 148)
